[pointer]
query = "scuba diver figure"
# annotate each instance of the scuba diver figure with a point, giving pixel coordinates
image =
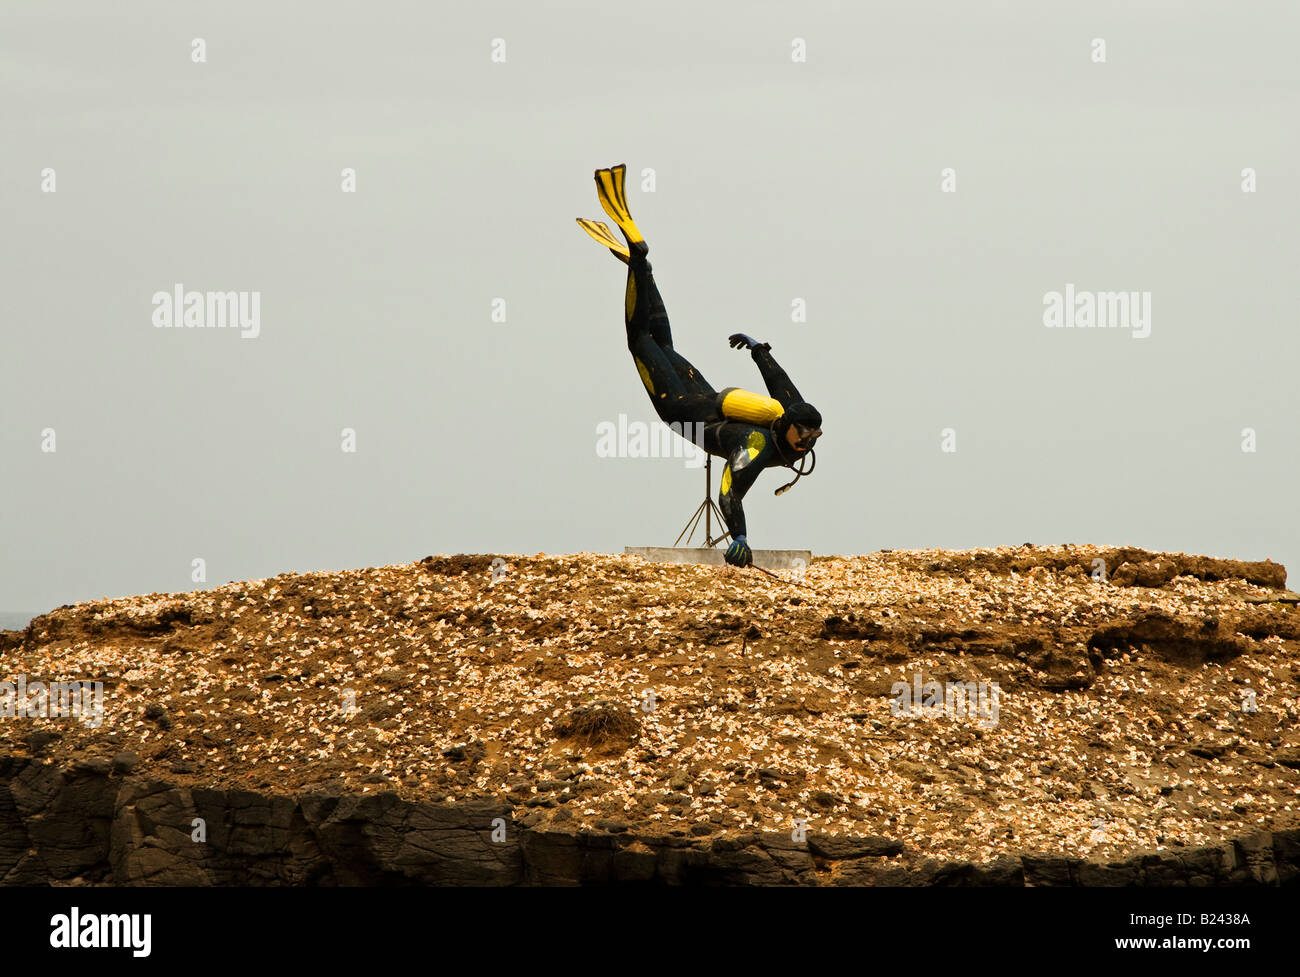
(750, 431)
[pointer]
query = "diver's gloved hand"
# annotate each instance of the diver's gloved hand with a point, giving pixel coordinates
(738, 553)
(739, 339)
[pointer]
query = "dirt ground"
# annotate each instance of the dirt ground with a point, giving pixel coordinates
(1155, 708)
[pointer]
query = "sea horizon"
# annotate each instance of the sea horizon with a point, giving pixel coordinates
(16, 620)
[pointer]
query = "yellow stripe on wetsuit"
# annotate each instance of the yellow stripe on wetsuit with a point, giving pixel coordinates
(645, 376)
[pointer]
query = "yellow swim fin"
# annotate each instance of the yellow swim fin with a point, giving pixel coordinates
(609, 188)
(601, 234)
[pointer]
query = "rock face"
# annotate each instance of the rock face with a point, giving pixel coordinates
(1105, 716)
(84, 825)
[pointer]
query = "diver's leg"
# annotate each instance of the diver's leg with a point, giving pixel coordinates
(690, 376)
(679, 392)
(675, 401)
(646, 313)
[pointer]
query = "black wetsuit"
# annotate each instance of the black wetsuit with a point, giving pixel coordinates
(681, 396)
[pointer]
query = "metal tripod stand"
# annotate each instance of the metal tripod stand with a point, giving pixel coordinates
(706, 509)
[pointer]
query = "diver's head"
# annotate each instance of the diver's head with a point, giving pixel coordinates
(801, 426)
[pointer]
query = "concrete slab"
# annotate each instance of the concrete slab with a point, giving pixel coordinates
(767, 559)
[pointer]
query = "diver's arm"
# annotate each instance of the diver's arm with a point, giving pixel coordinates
(732, 510)
(778, 383)
(737, 477)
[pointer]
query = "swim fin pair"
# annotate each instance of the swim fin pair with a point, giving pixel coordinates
(613, 198)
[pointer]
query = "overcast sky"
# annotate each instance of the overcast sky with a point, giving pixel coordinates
(774, 179)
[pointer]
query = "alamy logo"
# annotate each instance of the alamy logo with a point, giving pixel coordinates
(957, 700)
(75, 931)
(637, 439)
(208, 310)
(1098, 310)
(57, 700)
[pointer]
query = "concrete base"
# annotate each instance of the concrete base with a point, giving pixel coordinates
(767, 559)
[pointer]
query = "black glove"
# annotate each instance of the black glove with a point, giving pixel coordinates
(739, 339)
(738, 553)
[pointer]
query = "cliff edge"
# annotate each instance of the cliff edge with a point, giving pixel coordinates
(1023, 715)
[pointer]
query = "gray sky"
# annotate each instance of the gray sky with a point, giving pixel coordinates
(775, 180)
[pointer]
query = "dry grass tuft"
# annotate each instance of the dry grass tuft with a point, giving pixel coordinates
(603, 726)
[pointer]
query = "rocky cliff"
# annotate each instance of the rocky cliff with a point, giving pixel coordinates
(1030, 715)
